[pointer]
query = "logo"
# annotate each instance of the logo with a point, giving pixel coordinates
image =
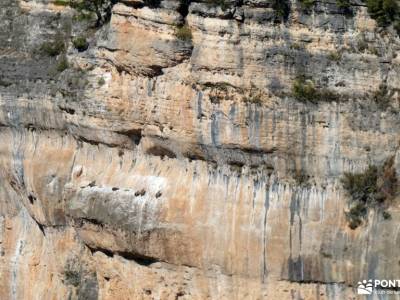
(379, 286)
(365, 287)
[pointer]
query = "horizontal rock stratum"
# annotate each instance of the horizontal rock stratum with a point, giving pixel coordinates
(197, 150)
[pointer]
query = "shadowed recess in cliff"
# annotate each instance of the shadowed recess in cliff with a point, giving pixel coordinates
(160, 151)
(137, 258)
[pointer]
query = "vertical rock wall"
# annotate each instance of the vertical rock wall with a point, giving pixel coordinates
(173, 158)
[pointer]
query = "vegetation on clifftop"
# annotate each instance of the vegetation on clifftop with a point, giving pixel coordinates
(101, 8)
(385, 12)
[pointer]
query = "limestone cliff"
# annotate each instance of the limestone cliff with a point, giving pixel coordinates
(194, 149)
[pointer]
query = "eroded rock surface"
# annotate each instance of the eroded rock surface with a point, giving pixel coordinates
(171, 159)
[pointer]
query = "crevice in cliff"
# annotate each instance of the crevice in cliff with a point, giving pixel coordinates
(68, 110)
(148, 3)
(102, 47)
(88, 141)
(161, 152)
(233, 156)
(249, 150)
(92, 142)
(79, 222)
(151, 71)
(310, 281)
(145, 261)
(41, 227)
(134, 134)
(184, 8)
(137, 258)
(31, 198)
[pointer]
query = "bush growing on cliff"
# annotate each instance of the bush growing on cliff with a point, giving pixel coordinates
(72, 274)
(382, 97)
(385, 12)
(282, 9)
(362, 187)
(335, 56)
(343, 4)
(101, 8)
(356, 214)
(307, 4)
(183, 33)
(369, 189)
(72, 277)
(80, 43)
(62, 64)
(304, 90)
(101, 81)
(253, 96)
(61, 2)
(53, 48)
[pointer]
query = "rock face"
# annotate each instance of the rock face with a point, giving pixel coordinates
(174, 159)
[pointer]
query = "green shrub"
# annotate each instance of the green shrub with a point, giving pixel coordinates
(304, 90)
(62, 64)
(386, 215)
(362, 187)
(53, 48)
(307, 4)
(80, 43)
(343, 4)
(101, 8)
(183, 33)
(72, 274)
(101, 81)
(335, 56)
(72, 277)
(61, 2)
(382, 97)
(370, 189)
(385, 12)
(282, 9)
(388, 183)
(83, 16)
(356, 214)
